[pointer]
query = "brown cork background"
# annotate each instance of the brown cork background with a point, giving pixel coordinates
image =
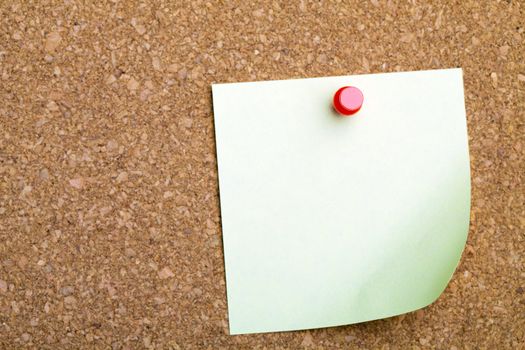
(110, 230)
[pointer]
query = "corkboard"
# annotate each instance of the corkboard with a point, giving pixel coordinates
(109, 210)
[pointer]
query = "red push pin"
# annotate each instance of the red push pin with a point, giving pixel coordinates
(348, 100)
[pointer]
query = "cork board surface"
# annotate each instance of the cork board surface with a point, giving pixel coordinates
(109, 209)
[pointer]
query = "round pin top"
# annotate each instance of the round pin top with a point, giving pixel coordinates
(348, 100)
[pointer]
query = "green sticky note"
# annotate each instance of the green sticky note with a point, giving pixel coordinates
(331, 220)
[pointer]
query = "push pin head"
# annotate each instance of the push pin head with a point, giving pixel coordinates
(348, 100)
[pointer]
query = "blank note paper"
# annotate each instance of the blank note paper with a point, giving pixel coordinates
(331, 220)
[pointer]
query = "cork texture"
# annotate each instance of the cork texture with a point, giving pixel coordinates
(110, 230)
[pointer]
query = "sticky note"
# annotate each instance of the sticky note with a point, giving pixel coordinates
(331, 220)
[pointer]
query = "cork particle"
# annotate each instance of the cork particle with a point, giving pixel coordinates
(165, 273)
(52, 41)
